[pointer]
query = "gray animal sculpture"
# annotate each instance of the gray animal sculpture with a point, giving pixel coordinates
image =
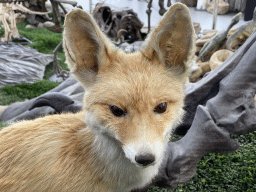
(59, 102)
(218, 40)
(241, 34)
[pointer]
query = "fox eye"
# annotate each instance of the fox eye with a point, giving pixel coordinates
(117, 111)
(161, 108)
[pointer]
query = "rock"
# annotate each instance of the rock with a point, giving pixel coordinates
(40, 25)
(129, 48)
(30, 26)
(21, 64)
(136, 45)
(219, 57)
(2, 108)
(19, 17)
(205, 66)
(48, 24)
(198, 69)
(222, 7)
(197, 28)
(207, 31)
(54, 78)
(31, 18)
(126, 47)
(231, 32)
(195, 75)
(201, 5)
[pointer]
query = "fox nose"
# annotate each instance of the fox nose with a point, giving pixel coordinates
(145, 159)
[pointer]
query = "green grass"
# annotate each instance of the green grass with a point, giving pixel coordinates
(215, 172)
(13, 93)
(224, 172)
(3, 124)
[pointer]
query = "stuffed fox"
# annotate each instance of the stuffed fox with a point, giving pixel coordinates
(132, 103)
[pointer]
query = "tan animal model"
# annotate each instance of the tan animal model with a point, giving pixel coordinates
(7, 14)
(131, 105)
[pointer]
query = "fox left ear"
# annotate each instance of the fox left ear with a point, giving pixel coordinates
(86, 47)
(172, 41)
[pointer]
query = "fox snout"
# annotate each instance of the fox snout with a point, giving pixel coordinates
(144, 155)
(145, 159)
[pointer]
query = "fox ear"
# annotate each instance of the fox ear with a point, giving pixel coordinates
(172, 41)
(86, 47)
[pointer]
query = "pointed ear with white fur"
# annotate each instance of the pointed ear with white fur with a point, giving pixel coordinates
(172, 42)
(86, 47)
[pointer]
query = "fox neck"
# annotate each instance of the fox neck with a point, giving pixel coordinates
(125, 174)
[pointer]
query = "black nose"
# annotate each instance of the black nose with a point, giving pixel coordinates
(145, 159)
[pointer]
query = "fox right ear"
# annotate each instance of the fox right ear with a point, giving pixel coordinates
(86, 47)
(172, 42)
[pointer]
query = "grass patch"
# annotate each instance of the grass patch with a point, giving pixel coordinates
(43, 39)
(3, 124)
(224, 172)
(13, 93)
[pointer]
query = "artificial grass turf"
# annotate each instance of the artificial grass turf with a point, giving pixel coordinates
(20, 92)
(215, 172)
(232, 172)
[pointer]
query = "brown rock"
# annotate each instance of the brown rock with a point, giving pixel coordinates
(222, 7)
(197, 28)
(231, 32)
(219, 57)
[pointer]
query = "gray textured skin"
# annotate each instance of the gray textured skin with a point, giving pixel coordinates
(20, 110)
(244, 31)
(58, 101)
(21, 64)
(217, 40)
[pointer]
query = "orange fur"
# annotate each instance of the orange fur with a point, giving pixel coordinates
(94, 150)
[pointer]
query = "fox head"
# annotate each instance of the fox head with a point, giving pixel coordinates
(136, 98)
